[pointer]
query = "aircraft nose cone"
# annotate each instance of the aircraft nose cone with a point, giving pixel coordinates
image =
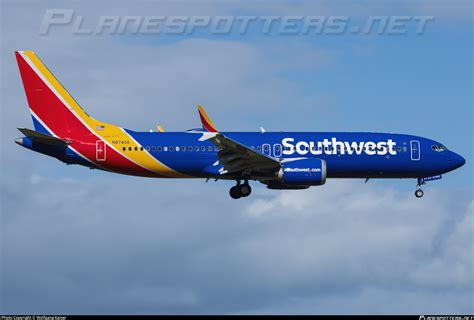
(457, 160)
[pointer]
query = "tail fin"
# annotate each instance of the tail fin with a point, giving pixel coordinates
(53, 109)
(206, 122)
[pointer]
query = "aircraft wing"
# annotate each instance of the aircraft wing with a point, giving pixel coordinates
(236, 157)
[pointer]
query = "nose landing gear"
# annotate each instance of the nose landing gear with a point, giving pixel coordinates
(419, 193)
(240, 190)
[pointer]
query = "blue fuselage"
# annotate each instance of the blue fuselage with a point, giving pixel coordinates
(347, 155)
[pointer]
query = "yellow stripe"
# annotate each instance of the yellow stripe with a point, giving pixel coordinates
(109, 133)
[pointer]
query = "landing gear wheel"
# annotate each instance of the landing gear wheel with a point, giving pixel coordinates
(234, 192)
(245, 190)
(419, 193)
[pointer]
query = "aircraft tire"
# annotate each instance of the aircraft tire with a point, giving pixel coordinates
(245, 190)
(419, 193)
(234, 192)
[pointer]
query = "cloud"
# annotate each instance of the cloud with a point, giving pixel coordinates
(136, 245)
(108, 76)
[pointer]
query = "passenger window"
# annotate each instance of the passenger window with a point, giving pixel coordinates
(209, 148)
(177, 148)
(190, 148)
(165, 148)
(159, 148)
(123, 149)
(399, 149)
(203, 148)
(171, 148)
(141, 148)
(153, 148)
(129, 148)
(196, 148)
(147, 148)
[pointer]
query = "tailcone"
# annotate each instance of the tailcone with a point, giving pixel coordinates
(24, 142)
(19, 141)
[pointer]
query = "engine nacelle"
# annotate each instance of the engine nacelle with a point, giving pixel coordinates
(307, 172)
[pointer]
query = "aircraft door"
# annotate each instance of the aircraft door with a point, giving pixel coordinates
(100, 152)
(415, 149)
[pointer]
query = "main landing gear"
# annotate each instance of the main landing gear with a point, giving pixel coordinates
(240, 190)
(419, 193)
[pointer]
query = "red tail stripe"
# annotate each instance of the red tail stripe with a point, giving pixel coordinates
(206, 125)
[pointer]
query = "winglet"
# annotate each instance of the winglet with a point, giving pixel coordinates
(206, 122)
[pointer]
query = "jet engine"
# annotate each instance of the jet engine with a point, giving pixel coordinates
(304, 172)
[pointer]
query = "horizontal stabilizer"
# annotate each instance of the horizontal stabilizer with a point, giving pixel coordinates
(42, 138)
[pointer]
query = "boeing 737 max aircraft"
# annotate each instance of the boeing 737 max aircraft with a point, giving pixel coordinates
(280, 160)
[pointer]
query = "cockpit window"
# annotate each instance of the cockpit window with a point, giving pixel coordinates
(438, 148)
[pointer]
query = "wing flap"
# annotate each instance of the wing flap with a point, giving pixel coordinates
(236, 157)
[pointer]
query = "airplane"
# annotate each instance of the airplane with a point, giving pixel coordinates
(279, 160)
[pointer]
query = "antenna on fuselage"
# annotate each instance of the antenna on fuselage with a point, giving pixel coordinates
(160, 129)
